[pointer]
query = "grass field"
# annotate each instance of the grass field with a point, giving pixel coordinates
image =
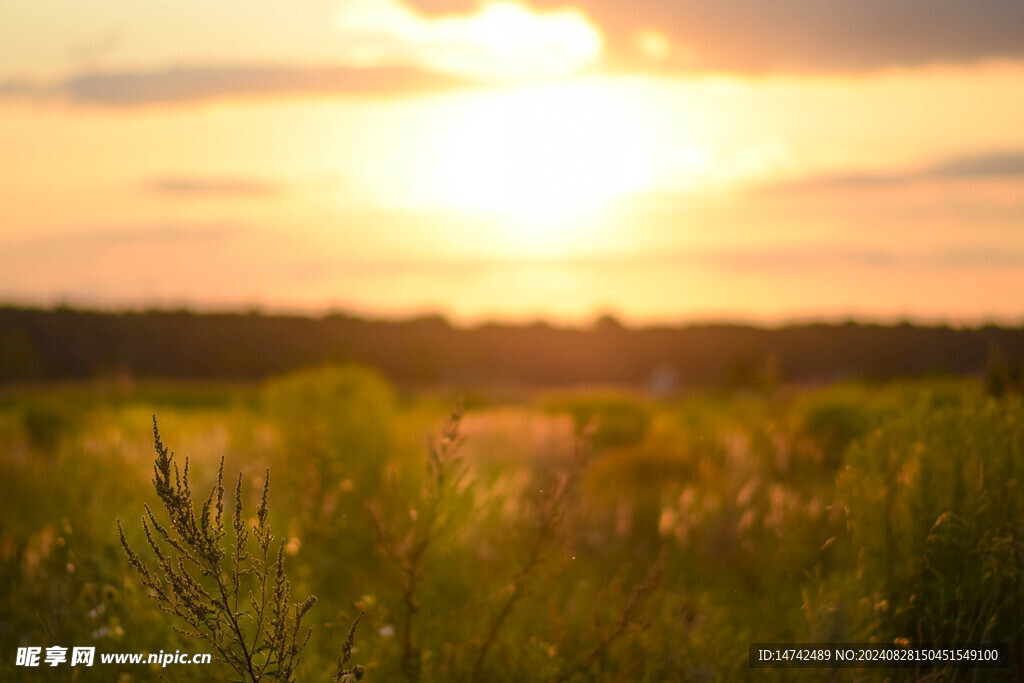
(564, 536)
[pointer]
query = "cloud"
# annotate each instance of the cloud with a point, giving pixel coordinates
(789, 259)
(204, 187)
(498, 40)
(186, 85)
(999, 165)
(762, 260)
(754, 36)
(980, 256)
(104, 239)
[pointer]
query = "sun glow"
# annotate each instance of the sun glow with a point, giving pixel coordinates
(543, 155)
(501, 40)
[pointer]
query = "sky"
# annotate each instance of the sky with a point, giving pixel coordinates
(661, 161)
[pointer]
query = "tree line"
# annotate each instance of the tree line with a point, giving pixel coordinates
(63, 343)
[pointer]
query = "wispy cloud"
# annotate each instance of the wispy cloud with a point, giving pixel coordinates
(209, 187)
(764, 259)
(497, 40)
(755, 36)
(998, 165)
(82, 241)
(188, 85)
(819, 256)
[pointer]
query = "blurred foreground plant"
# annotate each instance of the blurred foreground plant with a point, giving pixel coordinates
(406, 549)
(234, 599)
(419, 534)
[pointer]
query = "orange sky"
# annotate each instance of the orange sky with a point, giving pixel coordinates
(510, 160)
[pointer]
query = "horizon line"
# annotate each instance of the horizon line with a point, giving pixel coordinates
(590, 321)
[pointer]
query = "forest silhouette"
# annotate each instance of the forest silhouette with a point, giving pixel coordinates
(63, 344)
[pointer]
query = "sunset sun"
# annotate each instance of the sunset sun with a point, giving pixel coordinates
(542, 155)
(499, 159)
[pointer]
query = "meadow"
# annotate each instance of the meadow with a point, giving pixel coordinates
(508, 534)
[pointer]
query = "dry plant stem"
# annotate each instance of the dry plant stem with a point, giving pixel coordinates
(343, 674)
(637, 598)
(274, 644)
(550, 521)
(409, 554)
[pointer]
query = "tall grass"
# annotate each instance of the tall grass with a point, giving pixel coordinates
(485, 547)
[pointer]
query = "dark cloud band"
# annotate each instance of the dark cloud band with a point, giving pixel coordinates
(755, 36)
(186, 85)
(1007, 165)
(199, 187)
